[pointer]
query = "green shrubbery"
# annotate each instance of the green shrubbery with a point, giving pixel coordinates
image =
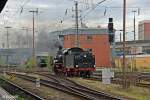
(30, 63)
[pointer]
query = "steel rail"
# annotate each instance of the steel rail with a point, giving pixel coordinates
(54, 85)
(79, 91)
(79, 87)
(22, 89)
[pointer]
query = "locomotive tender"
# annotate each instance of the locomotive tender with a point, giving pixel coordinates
(74, 62)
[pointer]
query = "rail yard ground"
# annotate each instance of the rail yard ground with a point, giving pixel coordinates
(42, 91)
(132, 93)
(137, 93)
(46, 92)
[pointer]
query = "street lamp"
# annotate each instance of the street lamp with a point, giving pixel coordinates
(27, 31)
(134, 12)
(7, 58)
(8, 36)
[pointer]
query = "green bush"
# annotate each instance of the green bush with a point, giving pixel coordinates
(30, 63)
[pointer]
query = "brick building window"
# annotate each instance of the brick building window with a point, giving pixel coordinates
(89, 37)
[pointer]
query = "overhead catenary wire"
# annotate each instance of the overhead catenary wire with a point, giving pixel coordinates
(20, 9)
(93, 8)
(86, 9)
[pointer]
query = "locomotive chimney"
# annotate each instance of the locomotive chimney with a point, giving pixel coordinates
(60, 47)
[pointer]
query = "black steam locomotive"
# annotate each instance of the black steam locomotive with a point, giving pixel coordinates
(74, 62)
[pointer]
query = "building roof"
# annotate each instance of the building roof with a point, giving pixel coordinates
(85, 31)
(81, 31)
(144, 21)
(137, 43)
(133, 42)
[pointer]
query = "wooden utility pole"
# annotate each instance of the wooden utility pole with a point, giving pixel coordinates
(77, 23)
(134, 12)
(33, 40)
(124, 46)
(134, 25)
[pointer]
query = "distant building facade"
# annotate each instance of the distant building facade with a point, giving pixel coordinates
(144, 30)
(142, 45)
(91, 39)
(18, 56)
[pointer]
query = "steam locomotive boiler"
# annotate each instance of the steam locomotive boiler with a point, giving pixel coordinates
(74, 62)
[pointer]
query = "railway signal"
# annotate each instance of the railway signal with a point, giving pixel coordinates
(111, 30)
(112, 40)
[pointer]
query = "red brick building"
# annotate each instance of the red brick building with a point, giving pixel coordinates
(92, 39)
(144, 30)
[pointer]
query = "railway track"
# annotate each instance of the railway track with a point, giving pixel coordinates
(98, 77)
(71, 87)
(143, 85)
(36, 97)
(119, 81)
(75, 86)
(68, 86)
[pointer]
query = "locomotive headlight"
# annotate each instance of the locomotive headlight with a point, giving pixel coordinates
(94, 66)
(85, 56)
(77, 66)
(55, 61)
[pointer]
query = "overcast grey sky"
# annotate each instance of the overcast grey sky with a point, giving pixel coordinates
(51, 12)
